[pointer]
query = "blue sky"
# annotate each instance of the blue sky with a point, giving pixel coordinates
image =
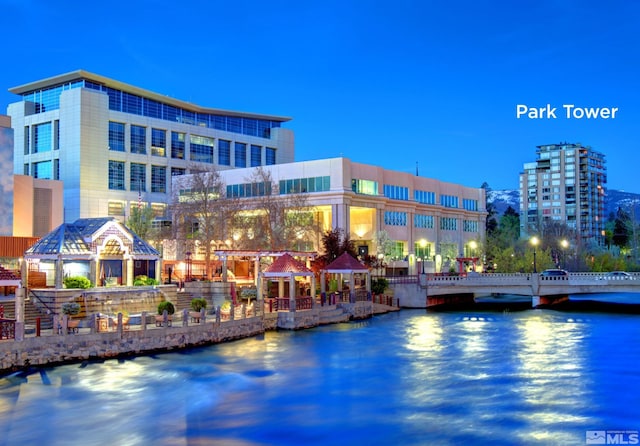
(386, 83)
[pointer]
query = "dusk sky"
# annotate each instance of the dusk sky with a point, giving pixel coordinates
(385, 83)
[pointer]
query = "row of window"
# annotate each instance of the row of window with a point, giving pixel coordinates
(201, 148)
(397, 218)
(49, 99)
(368, 187)
(138, 176)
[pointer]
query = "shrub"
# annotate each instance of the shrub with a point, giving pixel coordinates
(145, 281)
(249, 293)
(379, 285)
(70, 308)
(77, 282)
(166, 305)
(198, 303)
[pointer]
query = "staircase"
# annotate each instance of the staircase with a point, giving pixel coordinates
(31, 313)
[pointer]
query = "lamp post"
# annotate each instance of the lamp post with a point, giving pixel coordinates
(188, 261)
(564, 244)
(423, 245)
(534, 242)
(472, 247)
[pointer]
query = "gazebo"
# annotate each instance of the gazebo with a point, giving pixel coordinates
(286, 267)
(101, 249)
(346, 265)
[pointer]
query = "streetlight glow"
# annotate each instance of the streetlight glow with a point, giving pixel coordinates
(534, 242)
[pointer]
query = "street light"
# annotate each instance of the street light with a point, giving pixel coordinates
(423, 245)
(564, 244)
(534, 242)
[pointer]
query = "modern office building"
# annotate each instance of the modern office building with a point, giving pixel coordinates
(112, 144)
(425, 219)
(565, 184)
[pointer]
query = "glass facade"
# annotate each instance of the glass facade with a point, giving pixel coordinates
(201, 149)
(43, 170)
(138, 178)
(240, 154)
(256, 155)
(158, 142)
(116, 175)
(158, 179)
(270, 154)
(224, 152)
(178, 145)
(138, 139)
(42, 137)
(116, 136)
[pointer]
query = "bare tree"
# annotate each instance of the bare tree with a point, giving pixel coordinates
(272, 218)
(201, 213)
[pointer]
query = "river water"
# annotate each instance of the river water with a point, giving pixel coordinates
(535, 377)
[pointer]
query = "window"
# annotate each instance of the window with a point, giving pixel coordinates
(241, 154)
(270, 154)
(396, 192)
(470, 205)
(448, 224)
(138, 180)
(42, 170)
(201, 149)
(138, 139)
(248, 190)
(395, 218)
(224, 152)
(158, 179)
(256, 155)
(116, 175)
(469, 226)
(449, 201)
(177, 171)
(424, 197)
(177, 145)
(365, 187)
(158, 142)
(42, 138)
(116, 136)
(304, 185)
(422, 252)
(116, 208)
(423, 221)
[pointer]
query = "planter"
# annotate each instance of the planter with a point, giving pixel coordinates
(195, 316)
(160, 320)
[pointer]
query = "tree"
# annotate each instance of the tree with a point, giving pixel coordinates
(622, 229)
(141, 221)
(491, 222)
(274, 219)
(201, 212)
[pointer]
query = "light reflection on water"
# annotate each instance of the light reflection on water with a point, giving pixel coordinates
(411, 378)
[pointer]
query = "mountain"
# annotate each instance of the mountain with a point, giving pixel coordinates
(629, 201)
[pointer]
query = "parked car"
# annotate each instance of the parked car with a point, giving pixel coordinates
(554, 272)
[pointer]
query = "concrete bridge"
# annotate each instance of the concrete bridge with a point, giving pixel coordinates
(451, 290)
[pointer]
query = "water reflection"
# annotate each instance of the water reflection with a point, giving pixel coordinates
(412, 378)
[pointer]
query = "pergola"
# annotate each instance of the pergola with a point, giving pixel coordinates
(286, 267)
(346, 265)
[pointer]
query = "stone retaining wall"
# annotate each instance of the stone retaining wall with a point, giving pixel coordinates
(57, 349)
